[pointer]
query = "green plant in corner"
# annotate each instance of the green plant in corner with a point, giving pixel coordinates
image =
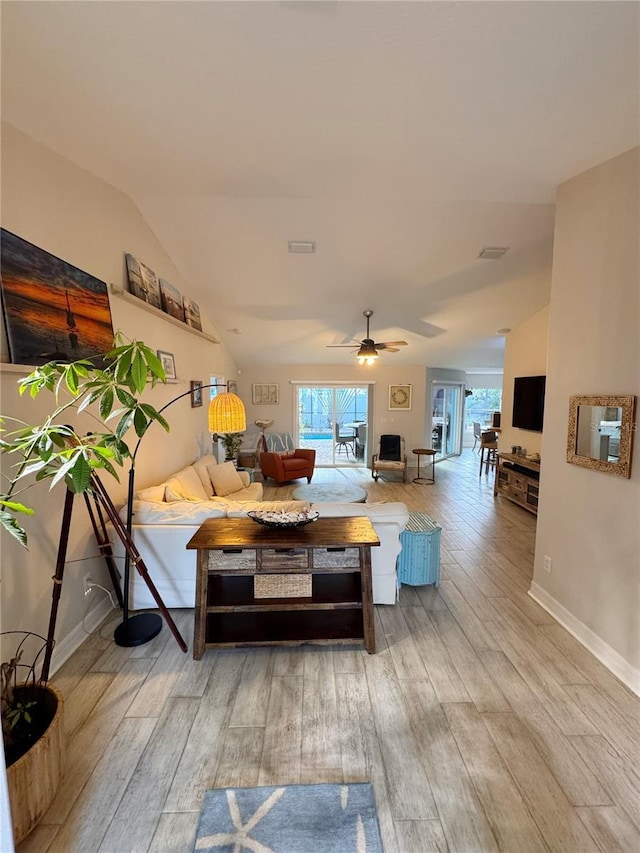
(54, 450)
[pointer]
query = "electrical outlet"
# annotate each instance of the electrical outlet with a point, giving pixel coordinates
(88, 584)
(547, 564)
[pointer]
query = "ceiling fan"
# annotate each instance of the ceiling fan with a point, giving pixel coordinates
(368, 350)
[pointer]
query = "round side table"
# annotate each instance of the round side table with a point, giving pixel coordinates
(431, 455)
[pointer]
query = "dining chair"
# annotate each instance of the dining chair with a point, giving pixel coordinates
(343, 441)
(488, 443)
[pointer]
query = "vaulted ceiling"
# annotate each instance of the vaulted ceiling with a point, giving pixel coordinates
(401, 137)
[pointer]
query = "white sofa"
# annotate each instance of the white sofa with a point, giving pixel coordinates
(161, 530)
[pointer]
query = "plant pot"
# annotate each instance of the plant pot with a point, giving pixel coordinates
(33, 779)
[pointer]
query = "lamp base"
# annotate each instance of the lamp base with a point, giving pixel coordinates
(138, 630)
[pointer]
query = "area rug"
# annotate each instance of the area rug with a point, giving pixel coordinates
(290, 819)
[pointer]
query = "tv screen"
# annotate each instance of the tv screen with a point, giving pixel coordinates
(528, 402)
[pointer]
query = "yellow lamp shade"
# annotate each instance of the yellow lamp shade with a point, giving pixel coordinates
(227, 414)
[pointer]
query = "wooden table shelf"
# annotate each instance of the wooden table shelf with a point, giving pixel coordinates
(329, 560)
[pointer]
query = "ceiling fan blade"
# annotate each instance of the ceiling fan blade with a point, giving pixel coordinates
(342, 346)
(389, 349)
(393, 344)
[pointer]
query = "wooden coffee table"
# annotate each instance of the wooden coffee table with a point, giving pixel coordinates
(264, 586)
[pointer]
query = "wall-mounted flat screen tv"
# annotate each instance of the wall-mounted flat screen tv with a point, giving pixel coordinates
(528, 402)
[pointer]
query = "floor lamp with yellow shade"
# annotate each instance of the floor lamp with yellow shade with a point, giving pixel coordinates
(226, 414)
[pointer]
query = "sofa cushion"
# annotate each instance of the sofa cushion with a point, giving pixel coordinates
(225, 479)
(180, 512)
(293, 463)
(187, 485)
(153, 493)
(202, 467)
(252, 492)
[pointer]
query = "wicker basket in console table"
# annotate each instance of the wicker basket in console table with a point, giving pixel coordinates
(262, 586)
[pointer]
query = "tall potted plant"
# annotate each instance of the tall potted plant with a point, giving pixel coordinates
(58, 451)
(232, 442)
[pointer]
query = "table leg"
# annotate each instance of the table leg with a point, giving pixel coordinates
(367, 600)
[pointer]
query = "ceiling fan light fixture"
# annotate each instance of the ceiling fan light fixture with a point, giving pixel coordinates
(367, 354)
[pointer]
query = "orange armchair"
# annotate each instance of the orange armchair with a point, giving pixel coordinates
(283, 467)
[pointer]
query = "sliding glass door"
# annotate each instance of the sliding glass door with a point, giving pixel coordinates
(446, 420)
(333, 420)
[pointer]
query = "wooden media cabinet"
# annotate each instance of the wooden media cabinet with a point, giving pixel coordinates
(518, 479)
(263, 586)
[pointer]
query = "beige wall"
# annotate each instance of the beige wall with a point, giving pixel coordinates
(72, 214)
(525, 354)
(410, 424)
(589, 521)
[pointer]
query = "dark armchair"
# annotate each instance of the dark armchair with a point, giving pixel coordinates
(283, 467)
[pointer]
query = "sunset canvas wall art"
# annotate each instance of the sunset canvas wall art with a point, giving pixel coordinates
(52, 310)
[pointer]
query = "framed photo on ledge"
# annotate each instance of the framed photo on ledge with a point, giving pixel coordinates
(196, 393)
(265, 395)
(169, 363)
(400, 397)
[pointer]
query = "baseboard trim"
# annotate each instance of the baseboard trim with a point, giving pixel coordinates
(609, 657)
(68, 645)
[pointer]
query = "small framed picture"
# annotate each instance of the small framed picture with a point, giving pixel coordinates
(265, 395)
(400, 397)
(232, 387)
(196, 393)
(168, 363)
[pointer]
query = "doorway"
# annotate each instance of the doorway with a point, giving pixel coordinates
(319, 409)
(446, 420)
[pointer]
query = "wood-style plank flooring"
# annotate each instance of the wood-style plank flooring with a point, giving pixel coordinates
(482, 724)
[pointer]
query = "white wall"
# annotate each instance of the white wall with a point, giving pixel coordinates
(74, 215)
(589, 521)
(525, 354)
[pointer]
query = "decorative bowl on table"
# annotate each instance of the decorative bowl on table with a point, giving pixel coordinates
(283, 519)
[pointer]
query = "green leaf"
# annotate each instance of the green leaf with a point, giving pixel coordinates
(11, 526)
(16, 506)
(126, 398)
(71, 380)
(62, 472)
(123, 364)
(106, 404)
(140, 423)
(138, 373)
(80, 475)
(103, 463)
(154, 415)
(124, 424)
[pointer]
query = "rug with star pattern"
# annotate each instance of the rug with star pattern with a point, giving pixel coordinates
(290, 819)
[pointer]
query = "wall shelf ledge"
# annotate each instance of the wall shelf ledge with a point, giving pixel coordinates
(120, 293)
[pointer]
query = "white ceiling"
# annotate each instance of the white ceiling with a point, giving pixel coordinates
(401, 136)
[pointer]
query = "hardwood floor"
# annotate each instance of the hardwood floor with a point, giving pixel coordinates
(482, 724)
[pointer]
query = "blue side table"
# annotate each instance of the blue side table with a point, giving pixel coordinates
(419, 560)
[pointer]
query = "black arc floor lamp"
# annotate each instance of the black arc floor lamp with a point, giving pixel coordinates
(226, 414)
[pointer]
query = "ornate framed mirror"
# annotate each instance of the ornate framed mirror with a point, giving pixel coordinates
(601, 433)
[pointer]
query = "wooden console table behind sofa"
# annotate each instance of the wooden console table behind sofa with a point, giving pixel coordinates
(258, 585)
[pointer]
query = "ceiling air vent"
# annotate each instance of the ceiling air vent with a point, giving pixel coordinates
(301, 247)
(493, 253)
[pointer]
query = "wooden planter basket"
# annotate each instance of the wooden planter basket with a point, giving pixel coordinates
(33, 779)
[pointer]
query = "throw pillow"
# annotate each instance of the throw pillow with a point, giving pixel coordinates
(171, 496)
(225, 479)
(153, 493)
(187, 484)
(201, 467)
